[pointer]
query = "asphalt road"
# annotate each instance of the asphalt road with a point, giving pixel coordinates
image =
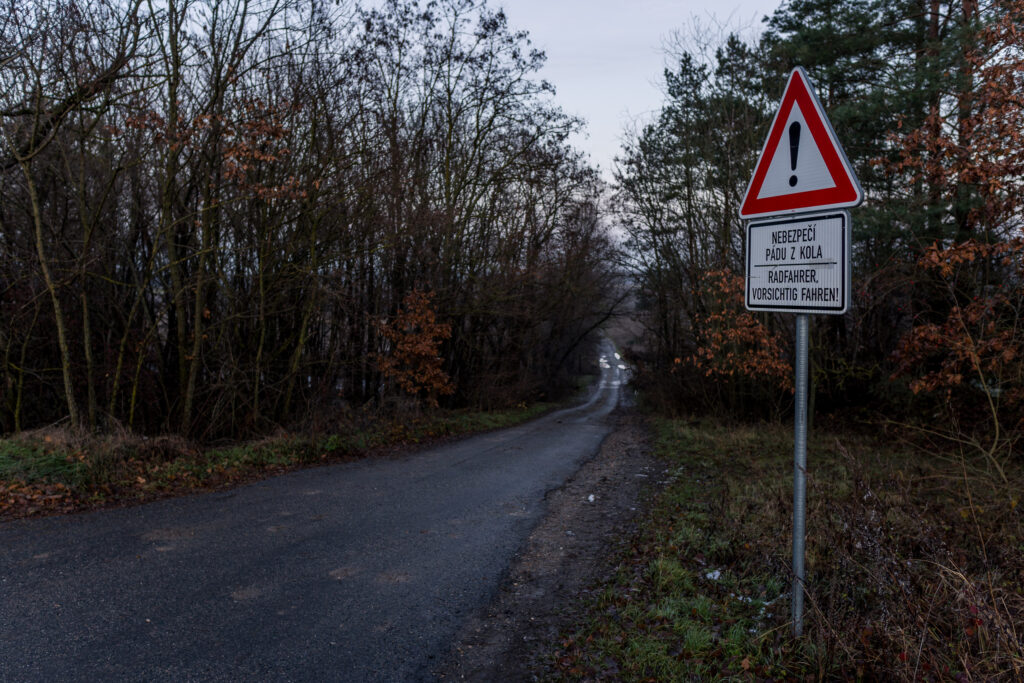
(355, 572)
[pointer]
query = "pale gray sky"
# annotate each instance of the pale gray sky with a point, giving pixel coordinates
(606, 57)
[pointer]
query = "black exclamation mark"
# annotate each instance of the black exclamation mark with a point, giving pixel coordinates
(794, 148)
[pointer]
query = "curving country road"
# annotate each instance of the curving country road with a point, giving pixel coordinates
(355, 572)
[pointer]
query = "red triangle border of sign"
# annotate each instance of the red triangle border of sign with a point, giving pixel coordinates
(847, 190)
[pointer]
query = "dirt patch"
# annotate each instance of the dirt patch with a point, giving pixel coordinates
(571, 549)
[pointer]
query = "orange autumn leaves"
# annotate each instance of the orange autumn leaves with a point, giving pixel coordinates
(20, 499)
(732, 341)
(972, 142)
(414, 337)
(966, 347)
(978, 343)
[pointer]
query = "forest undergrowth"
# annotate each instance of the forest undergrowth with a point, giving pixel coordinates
(57, 469)
(915, 563)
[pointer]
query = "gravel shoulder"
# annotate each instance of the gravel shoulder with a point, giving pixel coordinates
(571, 549)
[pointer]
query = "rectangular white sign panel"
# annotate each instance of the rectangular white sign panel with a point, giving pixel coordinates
(799, 264)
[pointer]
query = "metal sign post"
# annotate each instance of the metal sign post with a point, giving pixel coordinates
(798, 262)
(800, 472)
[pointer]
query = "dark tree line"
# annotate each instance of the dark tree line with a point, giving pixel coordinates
(211, 209)
(926, 97)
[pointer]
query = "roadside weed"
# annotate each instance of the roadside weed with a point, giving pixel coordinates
(915, 565)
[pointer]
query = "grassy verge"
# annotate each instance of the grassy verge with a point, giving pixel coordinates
(915, 566)
(54, 470)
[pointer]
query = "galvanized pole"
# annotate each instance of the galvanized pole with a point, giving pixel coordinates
(800, 473)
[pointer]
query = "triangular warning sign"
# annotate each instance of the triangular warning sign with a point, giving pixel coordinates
(802, 166)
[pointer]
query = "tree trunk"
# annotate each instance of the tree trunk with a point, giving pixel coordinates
(51, 288)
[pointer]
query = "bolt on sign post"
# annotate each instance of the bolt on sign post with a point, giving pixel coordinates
(798, 253)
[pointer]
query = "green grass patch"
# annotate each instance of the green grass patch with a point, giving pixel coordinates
(35, 462)
(915, 565)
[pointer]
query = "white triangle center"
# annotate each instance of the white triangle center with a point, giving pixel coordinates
(810, 172)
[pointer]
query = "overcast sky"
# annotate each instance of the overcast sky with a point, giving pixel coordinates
(606, 57)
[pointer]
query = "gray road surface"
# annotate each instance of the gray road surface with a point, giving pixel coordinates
(355, 572)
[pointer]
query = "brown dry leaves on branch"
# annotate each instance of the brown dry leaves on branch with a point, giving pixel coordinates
(979, 341)
(732, 342)
(974, 140)
(415, 337)
(971, 152)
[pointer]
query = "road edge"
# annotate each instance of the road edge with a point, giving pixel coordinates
(570, 550)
